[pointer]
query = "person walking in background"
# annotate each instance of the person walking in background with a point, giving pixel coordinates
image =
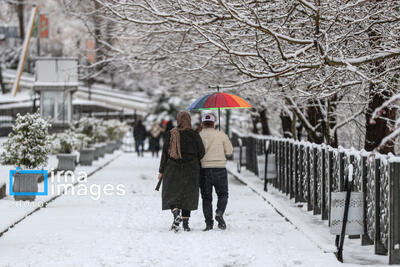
(213, 172)
(139, 133)
(169, 126)
(155, 133)
(180, 171)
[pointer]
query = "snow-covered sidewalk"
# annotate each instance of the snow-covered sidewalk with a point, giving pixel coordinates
(12, 211)
(131, 230)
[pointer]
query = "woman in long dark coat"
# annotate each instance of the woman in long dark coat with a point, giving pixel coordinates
(180, 171)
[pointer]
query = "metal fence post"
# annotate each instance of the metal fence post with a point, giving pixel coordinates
(365, 240)
(301, 171)
(341, 171)
(324, 211)
(254, 156)
(330, 182)
(394, 213)
(379, 248)
(285, 169)
(266, 151)
(309, 200)
(316, 209)
(291, 176)
(275, 150)
(281, 166)
(296, 173)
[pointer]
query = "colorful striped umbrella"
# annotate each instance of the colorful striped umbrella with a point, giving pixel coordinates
(219, 101)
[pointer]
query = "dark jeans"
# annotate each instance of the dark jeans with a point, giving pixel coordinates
(139, 147)
(217, 178)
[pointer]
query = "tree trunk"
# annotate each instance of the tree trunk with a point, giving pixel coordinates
(97, 36)
(264, 122)
(380, 128)
(3, 87)
(20, 14)
(330, 123)
(377, 130)
(254, 120)
(314, 116)
(286, 124)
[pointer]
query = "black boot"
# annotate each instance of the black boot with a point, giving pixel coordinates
(209, 226)
(186, 224)
(221, 222)
(177, 219)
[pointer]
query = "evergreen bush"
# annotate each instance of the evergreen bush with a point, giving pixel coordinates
(29, 144)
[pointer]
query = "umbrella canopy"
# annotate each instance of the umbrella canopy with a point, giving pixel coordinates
(219, 101)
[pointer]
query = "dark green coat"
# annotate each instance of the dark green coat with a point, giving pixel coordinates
(181, 178)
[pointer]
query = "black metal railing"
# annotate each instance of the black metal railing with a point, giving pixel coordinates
(309, 173)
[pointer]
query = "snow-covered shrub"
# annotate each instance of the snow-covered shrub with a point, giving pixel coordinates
(66, 142)
(82, 141)
(100, 132)
(115, 129)
(28, 145)
(122, 130)
(85, 126)
(93, 128)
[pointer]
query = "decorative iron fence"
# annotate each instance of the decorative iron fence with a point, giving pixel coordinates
(309, 173)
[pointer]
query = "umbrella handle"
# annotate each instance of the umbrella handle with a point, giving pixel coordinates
(219, 119)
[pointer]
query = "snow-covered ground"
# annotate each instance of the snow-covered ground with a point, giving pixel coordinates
(131, 230)
(11, 211)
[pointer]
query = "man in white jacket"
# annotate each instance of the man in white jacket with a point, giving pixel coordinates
(213, 171)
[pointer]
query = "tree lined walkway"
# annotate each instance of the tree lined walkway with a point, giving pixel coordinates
(131, 230)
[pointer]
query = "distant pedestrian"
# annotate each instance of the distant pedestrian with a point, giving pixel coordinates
(213, 172)
(139, 133)
(180, 171)
(169, 126)
(155, 133)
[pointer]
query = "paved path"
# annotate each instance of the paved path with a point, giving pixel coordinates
(131, 230)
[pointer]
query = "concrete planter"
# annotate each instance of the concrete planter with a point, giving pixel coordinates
(115, 145)
(25, 182)
(86, 156)
(110, 147)
(103, 149)
(2, 191)
(97, 151)
(66, 162)
(119, 144)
